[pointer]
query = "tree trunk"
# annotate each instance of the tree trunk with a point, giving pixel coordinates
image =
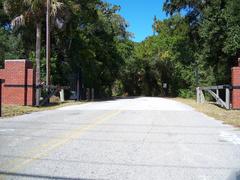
(38, 54)
(48, 44)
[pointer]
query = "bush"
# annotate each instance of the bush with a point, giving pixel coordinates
(186, 93)
(118, 89)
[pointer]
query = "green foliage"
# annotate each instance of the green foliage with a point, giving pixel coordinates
(197, 49)
(90, 37)
(10, 46)
(164, 58)
(214, 41)
(232, 19)
(186, 93)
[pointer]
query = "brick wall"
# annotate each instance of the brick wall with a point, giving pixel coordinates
(236, 92)
(18, 88)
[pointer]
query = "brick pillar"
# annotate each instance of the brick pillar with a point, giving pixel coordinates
(18, 88)
(236, 90)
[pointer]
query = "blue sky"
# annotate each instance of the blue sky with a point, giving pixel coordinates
(139, 14)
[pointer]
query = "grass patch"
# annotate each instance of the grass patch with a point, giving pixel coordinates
(227, 116)
(13, 110)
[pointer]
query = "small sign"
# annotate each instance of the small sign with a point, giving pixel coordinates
(165, 85)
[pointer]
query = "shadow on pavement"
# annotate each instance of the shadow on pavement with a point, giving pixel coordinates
(235, 176)
(114, 98)
(33, 176)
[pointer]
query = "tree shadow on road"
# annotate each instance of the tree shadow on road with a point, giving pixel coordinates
(33, 176)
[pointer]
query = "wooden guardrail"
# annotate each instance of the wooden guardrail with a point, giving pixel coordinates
(214, 92)
(52, 90)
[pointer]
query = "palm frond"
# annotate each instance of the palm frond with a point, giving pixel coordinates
(6, 7)
(36, 6)
(18, 21)
(11, 6)
(56, 6)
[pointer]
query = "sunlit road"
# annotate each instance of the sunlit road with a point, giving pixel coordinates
(136, 138)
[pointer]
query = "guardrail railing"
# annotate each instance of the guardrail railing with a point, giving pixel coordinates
(214, 92)
(52, 90)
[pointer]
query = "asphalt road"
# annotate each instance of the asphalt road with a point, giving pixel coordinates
(138, 139)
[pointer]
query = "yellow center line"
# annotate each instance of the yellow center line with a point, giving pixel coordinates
(33, 150)
(44, 149)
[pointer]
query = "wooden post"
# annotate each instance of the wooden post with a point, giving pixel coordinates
(92, 93)
(227, 98)
(202, 96)
(197, 92)
(88, 94)
(78, 89)
(62, 95)
(217, 92)
(198, 95)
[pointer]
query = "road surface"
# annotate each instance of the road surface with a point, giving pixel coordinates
(137, 138)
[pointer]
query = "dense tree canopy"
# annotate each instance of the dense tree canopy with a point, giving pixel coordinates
(87, 37)
(196, 46)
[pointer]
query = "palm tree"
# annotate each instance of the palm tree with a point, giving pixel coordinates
(31, 10)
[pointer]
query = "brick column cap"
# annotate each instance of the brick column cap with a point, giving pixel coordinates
(235, 67)
(16, 60)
